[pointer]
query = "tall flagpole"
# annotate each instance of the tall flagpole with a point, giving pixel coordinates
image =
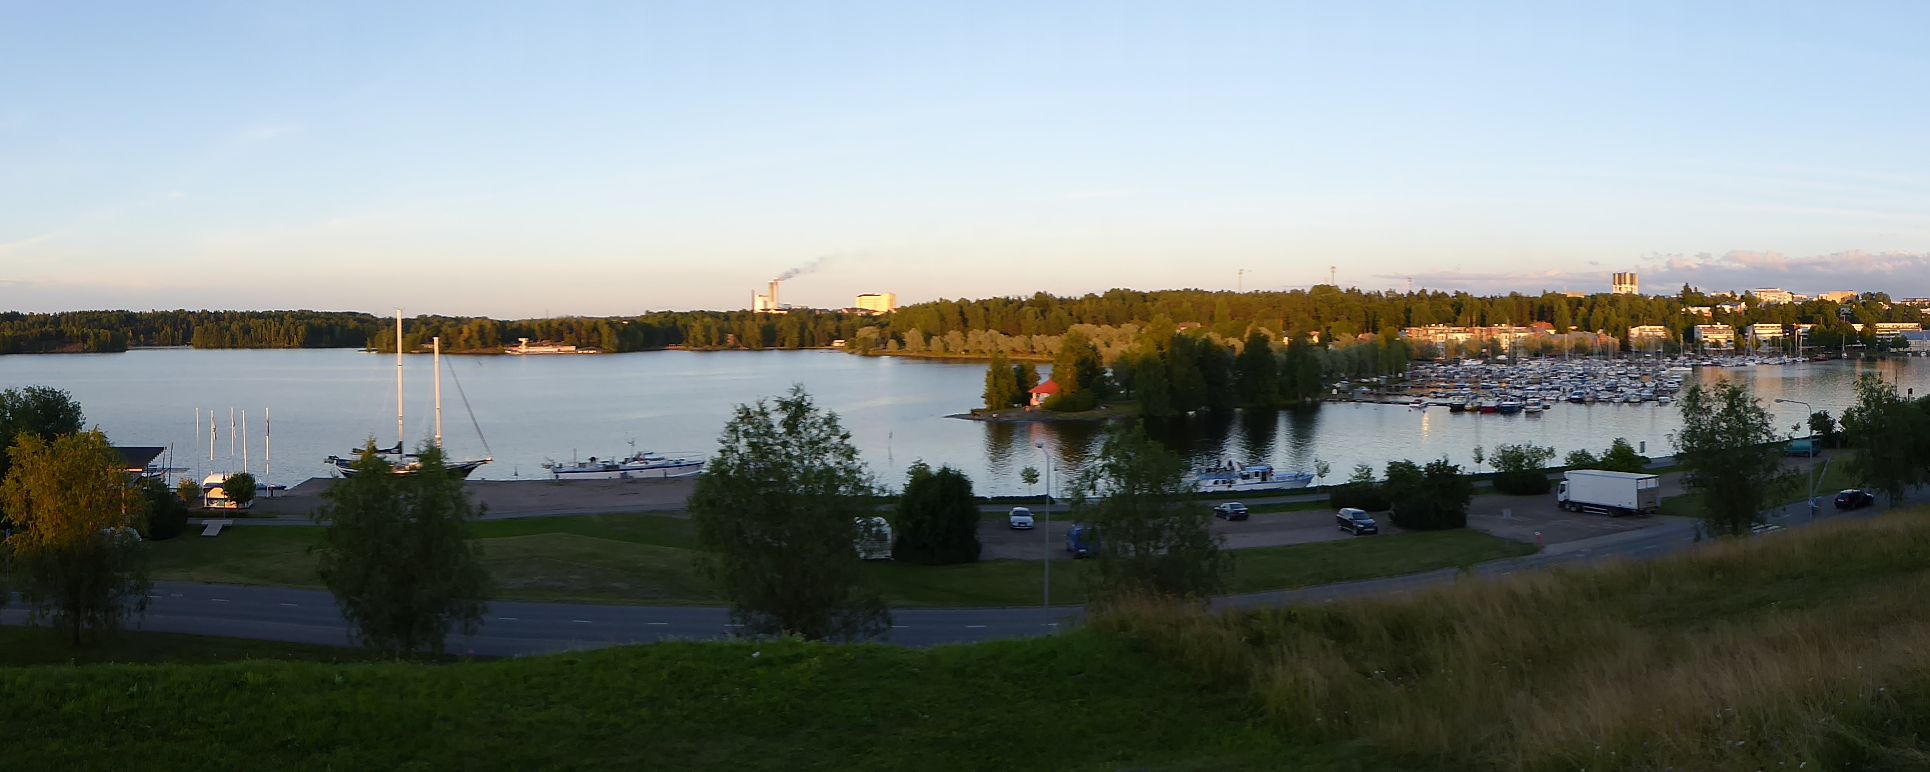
(267, 442)
(438, 369)
(211, 433)
(246, 466)
(401, 435)
(231, 431)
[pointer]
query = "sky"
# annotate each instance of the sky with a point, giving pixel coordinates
(534, 159)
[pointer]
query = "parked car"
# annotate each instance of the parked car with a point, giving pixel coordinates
(1082, 541)
(1356, 521)
(1231, 510)
(1854, 498)
(1021, 518)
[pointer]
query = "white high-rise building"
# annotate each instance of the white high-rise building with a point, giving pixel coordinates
(1625, 283)
(878, 302)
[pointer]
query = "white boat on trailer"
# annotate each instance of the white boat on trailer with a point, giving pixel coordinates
(1242, 478)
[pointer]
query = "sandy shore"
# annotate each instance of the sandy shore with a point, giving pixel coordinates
(519, 498)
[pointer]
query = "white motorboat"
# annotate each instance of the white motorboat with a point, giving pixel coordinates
(1242, 478)
(645, 465)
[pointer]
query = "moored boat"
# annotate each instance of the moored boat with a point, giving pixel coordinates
(1241, 478)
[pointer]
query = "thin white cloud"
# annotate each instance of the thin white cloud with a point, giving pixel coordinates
(29, 241)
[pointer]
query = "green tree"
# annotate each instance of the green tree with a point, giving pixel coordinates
(1156, 541)
(75, 547)
(188, 490)
(41, 411)
(397, 555)
(1030, 477)
(1521, 469)
(1728, 450)
(1824, 427)
(776, 509)
(1001, 383)
(1257, 371)
(1434, 497)
(239, 488)
(1026, 375)
(937, 517)
(1621, 457)
(1888, 433)
(1080, 373)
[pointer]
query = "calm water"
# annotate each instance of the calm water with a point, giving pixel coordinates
(536, 408)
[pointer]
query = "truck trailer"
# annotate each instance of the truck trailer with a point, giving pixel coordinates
(1610, 493)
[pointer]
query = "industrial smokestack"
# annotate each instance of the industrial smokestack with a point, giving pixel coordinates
(773, 301)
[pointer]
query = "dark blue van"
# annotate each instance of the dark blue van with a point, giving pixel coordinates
(1082, 541)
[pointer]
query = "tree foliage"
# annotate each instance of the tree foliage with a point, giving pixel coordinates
(937, 517)
(75, 547)
(1157, 541)
(1620, 457)
(1434, 497)
(42, 411)
(1080, 373)
(239, 488)
(1521, 469)
(1729, 454)
(397, 555)
(776, 508)
(1891, 437)
(1001, 383)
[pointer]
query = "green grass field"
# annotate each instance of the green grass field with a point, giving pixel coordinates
(29, 646)
(651, 559)
(1834, 478)
(1796, 651)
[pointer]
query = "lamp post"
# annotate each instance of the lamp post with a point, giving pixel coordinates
(1807, 412)
(1046, 555)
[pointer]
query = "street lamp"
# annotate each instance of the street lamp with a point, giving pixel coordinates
(1046, 510)
(1807, 412)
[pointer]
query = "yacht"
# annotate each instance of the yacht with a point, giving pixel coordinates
(1242, 478)
(644, 465)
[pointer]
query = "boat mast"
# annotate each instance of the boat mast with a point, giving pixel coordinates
(438, 368)
(401, 436)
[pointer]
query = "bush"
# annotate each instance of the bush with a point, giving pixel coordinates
(937, 517)
(188, 490)
(239, 488)
(1360, 492)
(166, 517)
(1427, 499)
(1522, 483)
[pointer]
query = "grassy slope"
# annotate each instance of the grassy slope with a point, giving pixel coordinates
(649, 559)
(43, 646)
(1079, 701)
(1798, 650)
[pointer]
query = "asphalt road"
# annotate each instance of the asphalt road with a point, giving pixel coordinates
(511, 628)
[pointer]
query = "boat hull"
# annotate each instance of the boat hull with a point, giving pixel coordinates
(658, 472)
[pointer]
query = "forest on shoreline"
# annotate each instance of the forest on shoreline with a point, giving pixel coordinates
(1017, 327)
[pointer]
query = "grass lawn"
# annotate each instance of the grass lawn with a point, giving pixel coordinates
(1079, 701)
(649, 559)
(44, 646)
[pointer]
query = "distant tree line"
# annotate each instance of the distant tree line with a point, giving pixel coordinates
(1021, 327)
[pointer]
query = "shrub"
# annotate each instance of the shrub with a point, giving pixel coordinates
(1360, 492)
(1432, 498)
(167, 517)
(1521, 469)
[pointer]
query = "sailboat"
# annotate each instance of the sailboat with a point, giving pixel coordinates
(400, 461)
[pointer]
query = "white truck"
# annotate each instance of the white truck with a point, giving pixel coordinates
(1610, 493)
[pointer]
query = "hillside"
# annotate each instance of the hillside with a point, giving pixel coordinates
(1797, 650)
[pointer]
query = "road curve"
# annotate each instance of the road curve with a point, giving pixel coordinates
(514, 628)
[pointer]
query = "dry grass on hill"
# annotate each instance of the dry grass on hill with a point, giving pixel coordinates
(1798, 650)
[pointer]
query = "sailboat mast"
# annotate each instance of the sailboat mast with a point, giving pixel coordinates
(401, 436)
(438, 367)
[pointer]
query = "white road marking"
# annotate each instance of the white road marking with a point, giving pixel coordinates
(897, 627)
(974, 627)
(290, 605)
(581, 621)
(217, 600)
(506, 619)
(659, 624)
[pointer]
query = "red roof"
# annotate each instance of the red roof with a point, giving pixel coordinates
(1048, 388)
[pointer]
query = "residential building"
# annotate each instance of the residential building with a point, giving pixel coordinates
(1445, 335)
(1647, 333)
(1702, 311)
(1913, 302)
(1919, 341)
(1715, 336)
(1773, 295)
(1625, 283)
(1841, 296)
(878, 302)
(1766, 331)
(1043, 392)
(1890, 329)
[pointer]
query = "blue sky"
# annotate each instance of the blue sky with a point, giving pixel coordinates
(523, 159)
